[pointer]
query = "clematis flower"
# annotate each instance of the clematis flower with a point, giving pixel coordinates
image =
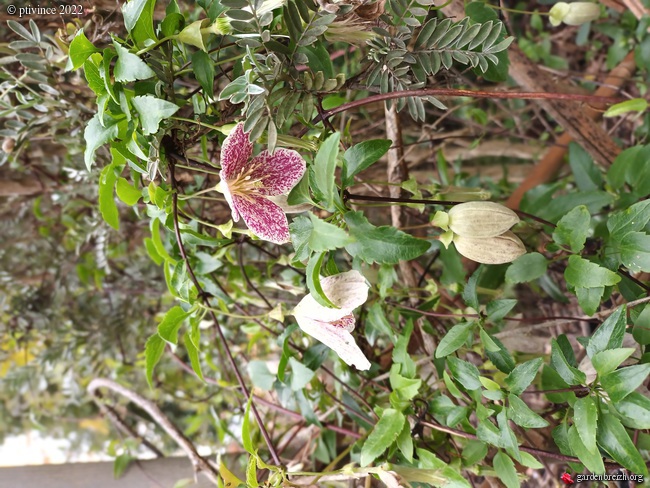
(247, 183)
(333, 326)
(576, 13)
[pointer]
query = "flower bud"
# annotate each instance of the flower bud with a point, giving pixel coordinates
(576, 13)
(481, 219)
(8, 145)
(491, 250)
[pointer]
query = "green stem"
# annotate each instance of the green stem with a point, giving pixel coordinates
(155, 45)
(515, 10)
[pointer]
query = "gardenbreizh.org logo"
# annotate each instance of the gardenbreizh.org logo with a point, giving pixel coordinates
(569, 479)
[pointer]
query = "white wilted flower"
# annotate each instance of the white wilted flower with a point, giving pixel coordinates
(481, 219)
(575, 13)
(333, 326)
(501, 249)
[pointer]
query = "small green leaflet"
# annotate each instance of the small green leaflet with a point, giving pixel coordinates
(634, 105)
(361, 156)
(153, 351)
(522, 415)
(610, 334)
(383, 245)
(171, 322)
(96, 135)
(324, 168)
(522, 376)
(526, 268)
(620, 383)
(151, 111)
(614, 439)
(585, 274)
(107, 205)
(313, 280)
(592, 460)
(313, 234)
(80, 49)
(127, 193)
(382, 436)
(505, 470)
(573, 228)
(454, 338)
(129, 67)
(585, 416)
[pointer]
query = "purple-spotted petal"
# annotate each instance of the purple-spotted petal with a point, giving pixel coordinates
(263, 217)
(235, 153)
(347, 291)
(279, 172)
(337, 337)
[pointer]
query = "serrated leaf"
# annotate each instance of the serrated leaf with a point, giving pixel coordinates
(152, 111)
(613, 438)
(585, 274)
(107, 205)
(80, 49)
(605, 362)
(635, 410)
(465, 373)
(171, 322)
(568, 373)
(591, 459)
(325, 166)
(505, 470)
(96, 135)
(522, 415)
(454, 338)
(153, 351)
(129, 67)
(573, 228)
(610, 334)
(383, 245)
(382, 436)
(633, 219)
(469, 292)
(620, 383)
(635, 251)
(585, 417)
(522, 376)
(527, 268)
(193, 354)
(203, 69)
(361, 156)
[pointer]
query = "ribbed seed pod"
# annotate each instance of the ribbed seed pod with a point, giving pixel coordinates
(481, 219)
(490, 250)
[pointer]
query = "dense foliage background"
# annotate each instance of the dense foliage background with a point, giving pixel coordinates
(135, 310)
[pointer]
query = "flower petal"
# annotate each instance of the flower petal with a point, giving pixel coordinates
(235, 153)
(346, 290)
(338, 338)
(223, 188)
(279, 172)
(263, 217)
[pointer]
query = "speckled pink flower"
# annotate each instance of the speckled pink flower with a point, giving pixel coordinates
(333, 326)
(248, 182)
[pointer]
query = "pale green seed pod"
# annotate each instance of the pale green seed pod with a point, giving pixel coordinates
(490, 250)
(481, 219)
(576, 13)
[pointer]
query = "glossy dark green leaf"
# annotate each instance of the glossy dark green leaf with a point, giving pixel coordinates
(382, 436)
(361, 156)
(610, 333)
(614, 439)
(454, 339)
(572, 229)
(522, 376)
(620, 383)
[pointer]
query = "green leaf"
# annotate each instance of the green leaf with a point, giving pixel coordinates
(573, 228)
(488, 341)
(633, 105)
(635, 410)
(193, 354)
(585, 274)
(585, 417)
(529, 461)
(610, 334)
(505, 470)
(589, 298)
(405, 442)
(454, 338)
(203, 68)
(301, 375)
(151, 111)
(260, 375)
(171, 322)
(246, 435)
(526, 268)
(605, 362)
(635, 251)
(80, 49)
(591, 459)
(316, 235)
(522, 376)
(153, 351)
(522, 415)
(313, 280)
(96, 135)
(620, 383)
(383, 245)
(633, 219)
(120, 464)
(585, 172)
(325, 166)
(361, 156)
(382, 436)
(127, 193)
(465, 373)
(138, 20)
(498, 309)
(129, 67)
(107, 205)
(470, 294)
(487, 432)
(300, 193)
(568, 373)
(481, 13)
(613, 438)
(641, 330)
(508, 437)
(473, 452)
